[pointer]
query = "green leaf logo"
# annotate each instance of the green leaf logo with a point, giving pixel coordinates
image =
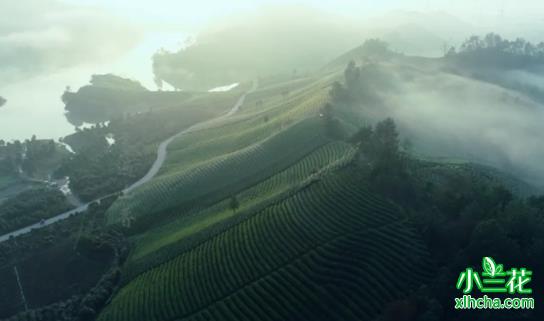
(490, 267)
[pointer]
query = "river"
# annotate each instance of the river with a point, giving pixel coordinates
(34, 106)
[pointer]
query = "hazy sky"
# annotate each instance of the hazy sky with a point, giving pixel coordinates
(37, 36)
(191, 13)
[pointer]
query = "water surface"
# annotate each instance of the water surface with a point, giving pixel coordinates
(34, 106)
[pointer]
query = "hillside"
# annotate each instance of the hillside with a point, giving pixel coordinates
(109, 96)
(291, 250)
(209, 165)
(355, 192)
(266, 203)
(257, 46)
(444, 111)
(286, 176)
(99, 168)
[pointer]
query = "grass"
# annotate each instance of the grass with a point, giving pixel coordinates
(7, 180)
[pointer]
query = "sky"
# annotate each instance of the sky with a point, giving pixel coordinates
(196, 13)
(38, 36)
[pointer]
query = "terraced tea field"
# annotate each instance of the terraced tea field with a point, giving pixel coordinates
(286, 261)
(164, 242)
(222, 176)
(307, 240)
(190, 150)
(205, 166)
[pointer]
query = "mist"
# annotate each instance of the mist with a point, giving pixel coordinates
(450, 117)
(40, 36)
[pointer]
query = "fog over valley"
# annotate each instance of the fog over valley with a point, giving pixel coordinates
(445, 115)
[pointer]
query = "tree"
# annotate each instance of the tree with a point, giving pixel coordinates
(338, 93)
(503, 196)
(380, 150)
(332, 125)
(376, 49)
(234, 204)
(363, 139)
(352, 75)
(536, 202)
(381, 144)
(386, 140)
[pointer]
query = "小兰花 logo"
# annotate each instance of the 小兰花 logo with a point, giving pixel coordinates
(494, 279)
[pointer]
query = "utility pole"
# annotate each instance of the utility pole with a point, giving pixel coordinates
(21, 291)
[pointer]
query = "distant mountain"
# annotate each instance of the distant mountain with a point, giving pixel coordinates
(299, 40)
(272, 42)
(414, 39)
(419, 33)
(439, 23)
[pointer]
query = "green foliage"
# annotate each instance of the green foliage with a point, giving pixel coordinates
(30, 207)
(66, 269)
(42, 157)
(234, 203)
(333, 127)
(494, 51)
(376, 49)
(537, 202)
(34, 158)
(495, 42)
(11, 157)
(55, 274)
(379, 151)
(98, 169)
(371, 51)
(115, 82)
(362, 84)
(109, 97)
(464, 215)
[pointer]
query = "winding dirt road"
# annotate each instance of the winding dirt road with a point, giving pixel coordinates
(162, 152)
